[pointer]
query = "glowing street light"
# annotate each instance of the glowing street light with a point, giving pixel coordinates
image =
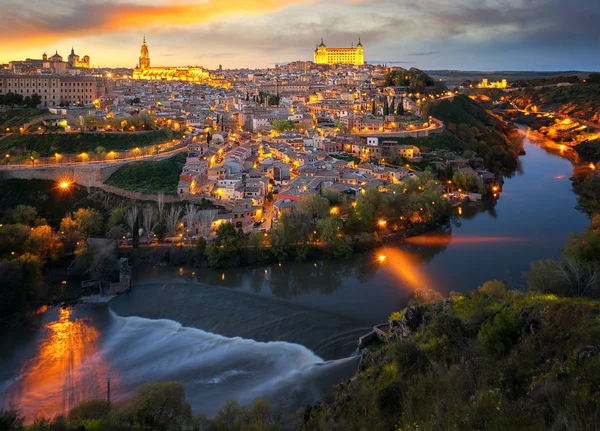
(381, 258)
(382, 223)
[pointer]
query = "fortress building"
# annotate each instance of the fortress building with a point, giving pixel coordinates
(352, 55)
(186, 73)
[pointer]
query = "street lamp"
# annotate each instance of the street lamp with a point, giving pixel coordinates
(7, 159)
(58, 158)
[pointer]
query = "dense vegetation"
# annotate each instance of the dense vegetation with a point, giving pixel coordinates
(29, 247)
(150, 176)
(155, 407)
(495, 359)
(478, 130)
(415, 81)
(13, 99)
(47, 144)
(13, 119)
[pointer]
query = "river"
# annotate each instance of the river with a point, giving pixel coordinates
(285, 332)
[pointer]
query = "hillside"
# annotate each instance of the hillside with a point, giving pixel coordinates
(150, 176)
(495, 359)
(478, 130)
(580, 101)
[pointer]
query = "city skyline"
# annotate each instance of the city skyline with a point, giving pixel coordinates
(512, 35)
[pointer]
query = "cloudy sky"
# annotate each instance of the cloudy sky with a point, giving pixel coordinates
(430, 34)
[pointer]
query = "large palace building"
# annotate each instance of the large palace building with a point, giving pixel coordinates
(353, 55)
(144, 71)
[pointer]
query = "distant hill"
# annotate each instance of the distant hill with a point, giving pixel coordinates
(455, 78)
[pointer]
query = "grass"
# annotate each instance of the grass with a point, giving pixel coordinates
(15, 118)
(47, 144)
(150, 176)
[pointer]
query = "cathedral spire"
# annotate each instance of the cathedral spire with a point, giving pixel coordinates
(144, 39)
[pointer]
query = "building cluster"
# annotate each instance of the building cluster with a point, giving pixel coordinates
(54, 64)
(485, 83)
(259, 140)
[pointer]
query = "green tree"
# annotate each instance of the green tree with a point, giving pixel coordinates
(43, 243)
(11, 419)
(92, 409)
(118, 217)
(464, 182)
(313, 207)
(161, 406)
(338, 245)
(23, 214)
(283, 125)
(100, 152)
(13, 238)
(69, 229)
(227, 417)
(89, 221)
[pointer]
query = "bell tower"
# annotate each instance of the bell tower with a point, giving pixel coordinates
(144, 56)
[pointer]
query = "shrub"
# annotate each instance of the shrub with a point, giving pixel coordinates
(499, 335)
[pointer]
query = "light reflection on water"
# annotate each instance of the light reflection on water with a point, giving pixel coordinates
(65, 370)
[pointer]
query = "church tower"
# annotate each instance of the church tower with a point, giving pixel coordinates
(144, 56)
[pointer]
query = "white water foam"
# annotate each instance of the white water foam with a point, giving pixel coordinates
(214, 368)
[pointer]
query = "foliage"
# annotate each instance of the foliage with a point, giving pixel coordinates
(47, 144)
(88, 221)
(499, 335)
(314, 207)
(463, 181)
(161, 406)
(149, 176)
(478, 130)
(575, 273)
(283, 125)
(492, 360)
(225, 250)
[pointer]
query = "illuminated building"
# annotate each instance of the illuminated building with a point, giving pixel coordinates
(52, 64)
(498, 84)
(144, 71)
(353, 55)
(75, 61)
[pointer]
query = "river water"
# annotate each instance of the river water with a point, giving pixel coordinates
(285, 332)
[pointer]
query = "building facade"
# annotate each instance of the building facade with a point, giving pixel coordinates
(54, 90)
(352, 55)
(145, 72)
(51, 64)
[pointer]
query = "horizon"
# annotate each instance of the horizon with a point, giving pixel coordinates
(515, 36)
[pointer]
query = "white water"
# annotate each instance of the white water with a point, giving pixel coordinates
(135, 350)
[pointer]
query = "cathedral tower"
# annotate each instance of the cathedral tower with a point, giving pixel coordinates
(144, 56)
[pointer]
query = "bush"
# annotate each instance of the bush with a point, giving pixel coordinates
(499, 335)
(92, 409)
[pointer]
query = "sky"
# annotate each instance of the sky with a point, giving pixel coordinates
(428, 34)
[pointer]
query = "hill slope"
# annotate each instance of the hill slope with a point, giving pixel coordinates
(493, 360)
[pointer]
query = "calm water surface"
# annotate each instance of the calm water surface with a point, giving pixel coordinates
(282, 332)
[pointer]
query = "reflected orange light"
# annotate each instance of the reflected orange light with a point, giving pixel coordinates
(442, 240)
(405, 268)
(65, 370)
